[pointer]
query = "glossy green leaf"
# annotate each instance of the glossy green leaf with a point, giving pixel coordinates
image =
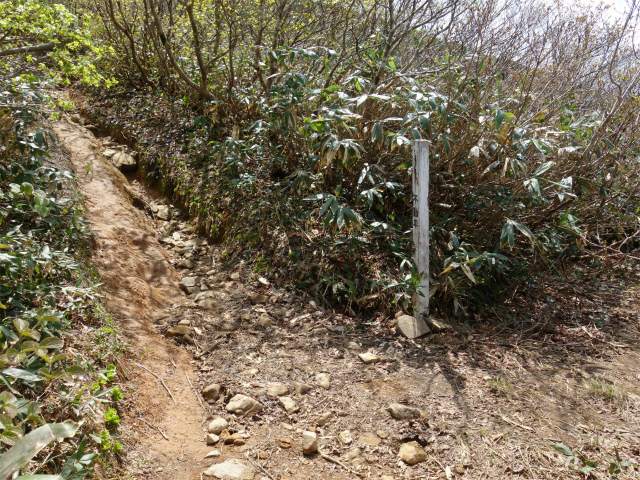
(29, 446)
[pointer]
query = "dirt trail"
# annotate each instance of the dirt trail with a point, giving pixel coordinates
(477, 408)
(142, 289)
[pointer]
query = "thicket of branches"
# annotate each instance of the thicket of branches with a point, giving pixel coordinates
(299, 147)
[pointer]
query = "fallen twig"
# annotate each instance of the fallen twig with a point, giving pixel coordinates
(196, 394)
(603, 341)
(338, 462)
(153, 426)
(255, 464)
(161, 381)
(525, 427)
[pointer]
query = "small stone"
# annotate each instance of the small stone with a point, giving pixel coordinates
(370, 439)
(319, 331)
(194, 242)
(185, 263)
(164, 212)
(235, 439)
(387, 477)
(212, 438)
(460, 469)
(309, 443)
(288, 404)
(438, 326)
(353, 454)
(126, 163)
(207, 304)
(231, 470)
(301, 388)
(251, 372)
(212, 453)
(262, 455)
(369, 358)
(382, 434)
(264, 320)
(345, 437)
(277, 390)
(285, 442)
(188, 282)
(258, 299)
(211, 394)
(323, 419)
(263, 281)
(243, 405)
(286, 426)
(235, 276)
(217, 425)
(403, 412)
(184, 322)
(323, 380)
(280, 312)
(179, 331)
(412, 327)
(412, 453)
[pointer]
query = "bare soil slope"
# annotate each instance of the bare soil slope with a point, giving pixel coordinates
(142, 287)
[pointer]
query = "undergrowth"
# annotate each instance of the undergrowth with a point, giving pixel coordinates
(53, 386)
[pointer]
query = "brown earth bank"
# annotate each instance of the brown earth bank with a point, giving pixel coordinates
(487, 402)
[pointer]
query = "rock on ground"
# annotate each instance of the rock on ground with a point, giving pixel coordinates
(309, 443)
(288, 404)
(207, 304)
(412, 327)
(124, 162)
(323, 380)
(231, 470)
(370, 439)
(257, 299)
(438, 326)
(369, 357)
(211, 393)
(243, 405)
(403, 412)
(412, 453)
(264, 320)
(217, 425)
(323, 419)
(164, 212)
(345, 437)
(277, 390)
(188, 282)
(179, 331)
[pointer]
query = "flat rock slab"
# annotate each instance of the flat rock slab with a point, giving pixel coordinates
(124, 162)
(438, 326)
(370, 439)
(243, 405)
(369, 358)
(412, 327)
(231, 470)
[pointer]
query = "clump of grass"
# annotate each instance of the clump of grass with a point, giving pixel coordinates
(500, 385)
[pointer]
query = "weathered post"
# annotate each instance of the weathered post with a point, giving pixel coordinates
(421, 224)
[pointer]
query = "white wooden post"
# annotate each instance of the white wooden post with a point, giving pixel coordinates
(421, 224)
